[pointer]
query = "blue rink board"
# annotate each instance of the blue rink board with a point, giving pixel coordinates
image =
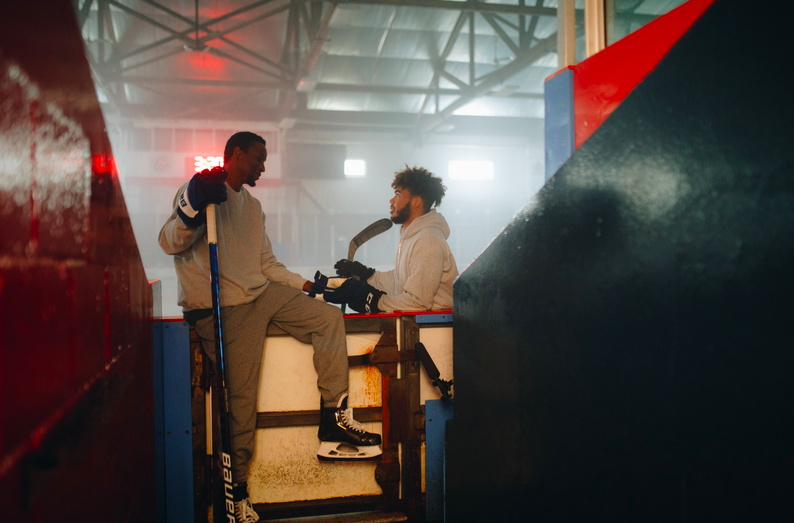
(437, 412)
(177, 423)
(559, 121)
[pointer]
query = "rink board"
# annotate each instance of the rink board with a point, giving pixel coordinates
(285, 469)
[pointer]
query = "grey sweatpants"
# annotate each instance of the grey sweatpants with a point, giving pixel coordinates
(244, 328)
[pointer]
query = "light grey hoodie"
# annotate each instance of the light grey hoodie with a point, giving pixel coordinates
(423, 270)
(247, 266)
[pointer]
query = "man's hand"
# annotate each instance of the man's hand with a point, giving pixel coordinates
(205, 188)
(361, 296)
(357, 270)
(322, 284)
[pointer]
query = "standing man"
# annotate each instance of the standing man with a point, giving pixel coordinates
(255, 289)
(425, 267)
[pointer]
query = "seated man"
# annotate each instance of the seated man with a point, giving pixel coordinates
(425, 267)
(255, 290)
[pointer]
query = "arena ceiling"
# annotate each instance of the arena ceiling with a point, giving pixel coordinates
(415, 66)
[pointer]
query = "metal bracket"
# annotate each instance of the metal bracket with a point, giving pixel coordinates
(387, 471)
(385, 355)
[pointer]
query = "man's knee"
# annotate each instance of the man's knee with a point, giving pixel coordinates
(333, 315)
(336, 314)
(328, 316)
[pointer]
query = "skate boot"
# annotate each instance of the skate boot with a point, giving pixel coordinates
(342, 437)
(245, 512)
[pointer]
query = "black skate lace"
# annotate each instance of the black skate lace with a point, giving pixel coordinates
(347, 419)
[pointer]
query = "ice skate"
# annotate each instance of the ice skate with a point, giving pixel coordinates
(245, 512)
(342, 437)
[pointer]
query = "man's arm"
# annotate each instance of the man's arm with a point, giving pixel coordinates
(383, 281)
(188, 221)
(426, 267)
(176, 236)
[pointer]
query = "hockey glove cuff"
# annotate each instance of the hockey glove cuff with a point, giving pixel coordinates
(204, 188)
(197, 220)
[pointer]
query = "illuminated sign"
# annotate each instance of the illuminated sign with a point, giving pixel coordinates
(206, 162)
(196, 164)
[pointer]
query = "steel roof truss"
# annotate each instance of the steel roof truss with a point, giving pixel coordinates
(83, 12)
(488, 82)
(501, 32)
(205, 26)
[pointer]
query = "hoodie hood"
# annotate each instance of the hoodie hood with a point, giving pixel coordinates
(431, 219)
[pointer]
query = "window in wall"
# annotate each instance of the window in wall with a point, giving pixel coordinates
(163, 139)
(183, 140)
(355, 168)
(470, 170)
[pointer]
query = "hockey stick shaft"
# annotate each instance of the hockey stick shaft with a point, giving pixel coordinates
(225, 442)
(367, 234)
(364, 236)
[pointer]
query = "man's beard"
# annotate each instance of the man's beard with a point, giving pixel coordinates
(402, 216)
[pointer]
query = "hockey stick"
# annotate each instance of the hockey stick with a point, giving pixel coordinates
(369, 232)
(225, 438)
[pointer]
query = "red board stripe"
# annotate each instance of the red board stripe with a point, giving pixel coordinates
(603, 81)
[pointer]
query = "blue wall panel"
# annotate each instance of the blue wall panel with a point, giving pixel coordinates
(437, 412)
(177, 421)
(559, 122)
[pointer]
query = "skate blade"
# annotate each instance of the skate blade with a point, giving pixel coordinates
(334, 450)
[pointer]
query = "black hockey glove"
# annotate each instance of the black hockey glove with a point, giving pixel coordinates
(323, 285)
(205, 188)
(357, 270)
(368, 302)
(361, 296)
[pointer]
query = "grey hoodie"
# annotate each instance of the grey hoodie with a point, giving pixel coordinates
(247, 266)
(423, 270)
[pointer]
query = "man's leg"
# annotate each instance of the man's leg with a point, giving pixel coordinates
(322, 325)
(312, 321)
(244, 330)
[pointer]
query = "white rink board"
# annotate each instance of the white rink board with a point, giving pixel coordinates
(289, 382)
(285, 468)
(438, 342)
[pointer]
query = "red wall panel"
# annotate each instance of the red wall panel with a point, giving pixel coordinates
(87, 320)
(604, 80)
(76, 389)
(35, 354)
(15, 135)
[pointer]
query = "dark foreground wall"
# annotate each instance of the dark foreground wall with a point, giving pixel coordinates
(623, 350)
(76, 424)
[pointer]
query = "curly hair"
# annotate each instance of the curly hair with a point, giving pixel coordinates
(420, 182)
(244, 140)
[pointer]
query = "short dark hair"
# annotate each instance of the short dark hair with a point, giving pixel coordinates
(244, 140)
(420, 182)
